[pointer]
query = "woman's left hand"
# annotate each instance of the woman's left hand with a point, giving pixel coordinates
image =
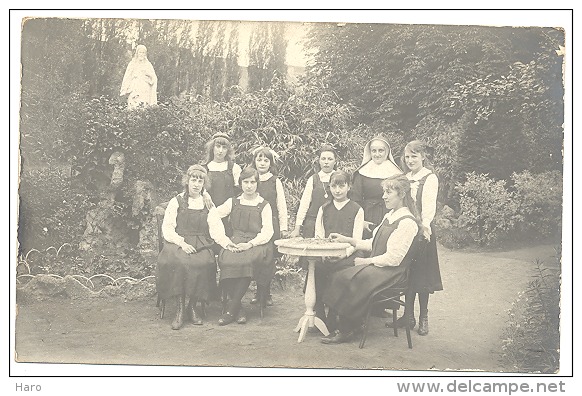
(207, 200)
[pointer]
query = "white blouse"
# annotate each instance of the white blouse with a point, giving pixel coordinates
(281, 203)
(429, 194)
(169, 223)
(308, 195)
(399, 241)
(358, 221)
(214, 166)
(217, 227)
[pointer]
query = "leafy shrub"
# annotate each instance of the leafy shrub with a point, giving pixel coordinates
(540, 201)
(488, 210)
(532, 339)
(52, 211)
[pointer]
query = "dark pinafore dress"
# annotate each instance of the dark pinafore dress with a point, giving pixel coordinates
(351, 289)
(425, 273)
(222, 188)
(342, 222)
(255, 262)
(368, 192)
(180, 273)
(268, 190)
(317, 199)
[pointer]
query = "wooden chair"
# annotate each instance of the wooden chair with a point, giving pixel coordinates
(392, 297)
(159, 212)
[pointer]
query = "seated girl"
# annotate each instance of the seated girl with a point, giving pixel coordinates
(342, 216)
(248, 254)
(186, 258)
(391, 250)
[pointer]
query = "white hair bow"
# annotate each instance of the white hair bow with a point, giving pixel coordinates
(276, 156)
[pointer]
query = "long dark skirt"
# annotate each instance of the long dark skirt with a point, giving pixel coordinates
(179, 273)
(257, 262)
(351, 289)
(425, 273)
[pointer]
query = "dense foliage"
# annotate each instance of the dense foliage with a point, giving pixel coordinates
(489, 100)
(531, 206)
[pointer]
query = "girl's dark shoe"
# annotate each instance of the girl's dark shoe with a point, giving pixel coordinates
(241, 318)
(401, 322)
(337, 337)
(423, 325)
(226, 319)
(194, 316)
(179, 319)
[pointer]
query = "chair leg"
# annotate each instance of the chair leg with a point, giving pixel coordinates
(394, 316)
(365, 329)
(162, 308)
(408, 337)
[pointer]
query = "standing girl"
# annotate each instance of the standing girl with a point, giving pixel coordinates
(223, 173)
(315, 194)
(186, 257)
(377, 165)
(248, 254)
(425, 274)
(222, 169)
(270, 188)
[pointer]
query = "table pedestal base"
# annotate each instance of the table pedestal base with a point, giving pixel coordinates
(309, 319)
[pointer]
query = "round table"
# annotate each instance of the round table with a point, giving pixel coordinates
(312, 249)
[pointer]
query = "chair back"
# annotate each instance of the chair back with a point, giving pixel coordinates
(159, 212)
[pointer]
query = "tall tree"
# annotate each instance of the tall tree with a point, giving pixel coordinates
(267, 50)
(502, 86)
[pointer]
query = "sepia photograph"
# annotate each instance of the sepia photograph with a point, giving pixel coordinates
(363, 194)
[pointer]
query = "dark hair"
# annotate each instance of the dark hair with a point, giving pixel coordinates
(418, 147)
(401, 184)
(267, 153)
(340, 177)
(248, 172)
(223, 140)
(324, 148)
(198, 172)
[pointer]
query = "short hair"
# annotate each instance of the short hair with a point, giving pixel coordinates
(264, 151)
(339, 177)
(198, 172)
(247, 172)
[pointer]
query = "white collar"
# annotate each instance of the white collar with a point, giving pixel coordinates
(324, 177)
(379, 171)
(340, 205)
(393, 215)
(265, 176)
(418, 175)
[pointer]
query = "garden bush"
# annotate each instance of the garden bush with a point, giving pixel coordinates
(540, 202)
(531, 341)
(488, 210)
(52, 211)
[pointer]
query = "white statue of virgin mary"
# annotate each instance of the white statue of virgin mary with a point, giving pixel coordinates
(140, 82)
